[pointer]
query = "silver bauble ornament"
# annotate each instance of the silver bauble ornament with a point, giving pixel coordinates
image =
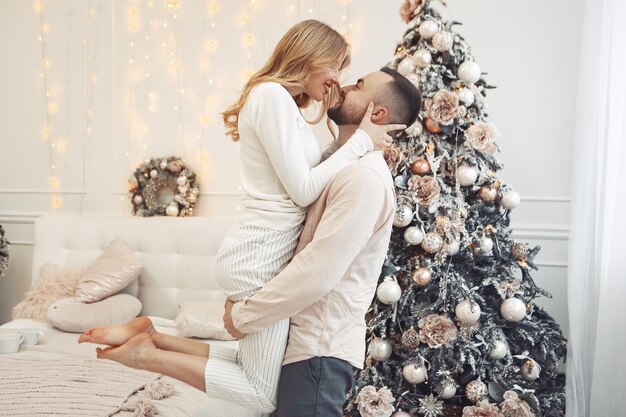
(154, 173)
(452, 248)
(467, 312)
(467, 175)
(163, 164)
(423, 58)
(476, 390)
(401, 414)
(446, 390)
(513, 309)
(443, 41)
(414, 373)
(432, 243)
(388, 291)
(510, 200)
(403, 216)
(413, 235)
(407, 65)
(530, 370)
(469, 72)
(499, 350)
(410, 339)
(485, 246)
(138, 199)
(428, 29)
(182, 180)
(380, 350)
(466, 96)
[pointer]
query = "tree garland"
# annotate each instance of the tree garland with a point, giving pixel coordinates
(156, 174)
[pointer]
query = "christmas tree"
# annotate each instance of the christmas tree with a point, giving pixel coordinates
(453, 329)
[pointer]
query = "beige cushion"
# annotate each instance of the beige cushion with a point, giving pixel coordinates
(54, 283)
(72, 315)
(201, 318)
(113, 271)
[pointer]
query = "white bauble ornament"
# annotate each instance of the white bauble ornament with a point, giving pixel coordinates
(407, 65)
(513, 309)
(510, 200)
(414, 373)
(400, 414)
(466, 96)
(447, 391)
(469, 72)
(423, 58)
(379, 349)
(530, 370)
(499, 350)
(137, 199)
(415, 129)
(403, 216)
(183, 189)
(467, 312)
(163, 164)
(388, 291)
(182, 180)
(452, 248)
(467, 175)
(154, 173)
(486, 245)
(428, 29)
(413, 235)
(172, 210)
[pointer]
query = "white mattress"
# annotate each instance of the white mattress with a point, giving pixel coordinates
(186, 402)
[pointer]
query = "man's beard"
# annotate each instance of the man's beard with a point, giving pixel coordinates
(344, 116)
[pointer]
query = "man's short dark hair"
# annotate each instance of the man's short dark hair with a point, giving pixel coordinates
(403, 98)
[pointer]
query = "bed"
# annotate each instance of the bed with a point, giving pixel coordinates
(178, 256)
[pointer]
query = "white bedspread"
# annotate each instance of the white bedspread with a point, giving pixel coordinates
(186, 402)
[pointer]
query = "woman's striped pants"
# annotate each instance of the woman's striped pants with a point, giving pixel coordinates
(248, 258)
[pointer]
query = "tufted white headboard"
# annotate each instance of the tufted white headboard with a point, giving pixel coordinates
(178, 254)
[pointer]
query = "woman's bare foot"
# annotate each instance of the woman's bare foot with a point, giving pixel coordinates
(118, 334)
(135, 353)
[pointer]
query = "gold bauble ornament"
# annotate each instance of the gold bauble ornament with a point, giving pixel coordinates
(488, 194)
(519, 250)
(421, 277)
(432, 243)
(432, 126)
(420, 167)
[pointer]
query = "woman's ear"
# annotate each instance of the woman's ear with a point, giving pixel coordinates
(379, 115)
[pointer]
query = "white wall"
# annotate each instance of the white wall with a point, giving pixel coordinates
(529, 49)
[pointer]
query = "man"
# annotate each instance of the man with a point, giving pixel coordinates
(328, 286)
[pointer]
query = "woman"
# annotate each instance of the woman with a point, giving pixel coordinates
(281, 174)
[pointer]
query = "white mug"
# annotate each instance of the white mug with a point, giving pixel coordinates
(10, 342)
(31, 335)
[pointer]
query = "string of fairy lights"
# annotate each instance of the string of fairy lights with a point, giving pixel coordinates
(150, 23)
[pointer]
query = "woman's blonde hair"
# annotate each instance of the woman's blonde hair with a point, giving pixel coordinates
(307, 47)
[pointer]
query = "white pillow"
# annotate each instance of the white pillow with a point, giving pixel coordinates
(203, 319)
(72, 315)
(113, 271)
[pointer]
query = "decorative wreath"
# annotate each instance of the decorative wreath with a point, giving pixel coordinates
(163, 186)
(4, 253)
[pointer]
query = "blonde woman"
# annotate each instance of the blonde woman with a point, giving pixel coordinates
(281, 175)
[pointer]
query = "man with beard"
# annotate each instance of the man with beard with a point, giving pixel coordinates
(328, 286)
